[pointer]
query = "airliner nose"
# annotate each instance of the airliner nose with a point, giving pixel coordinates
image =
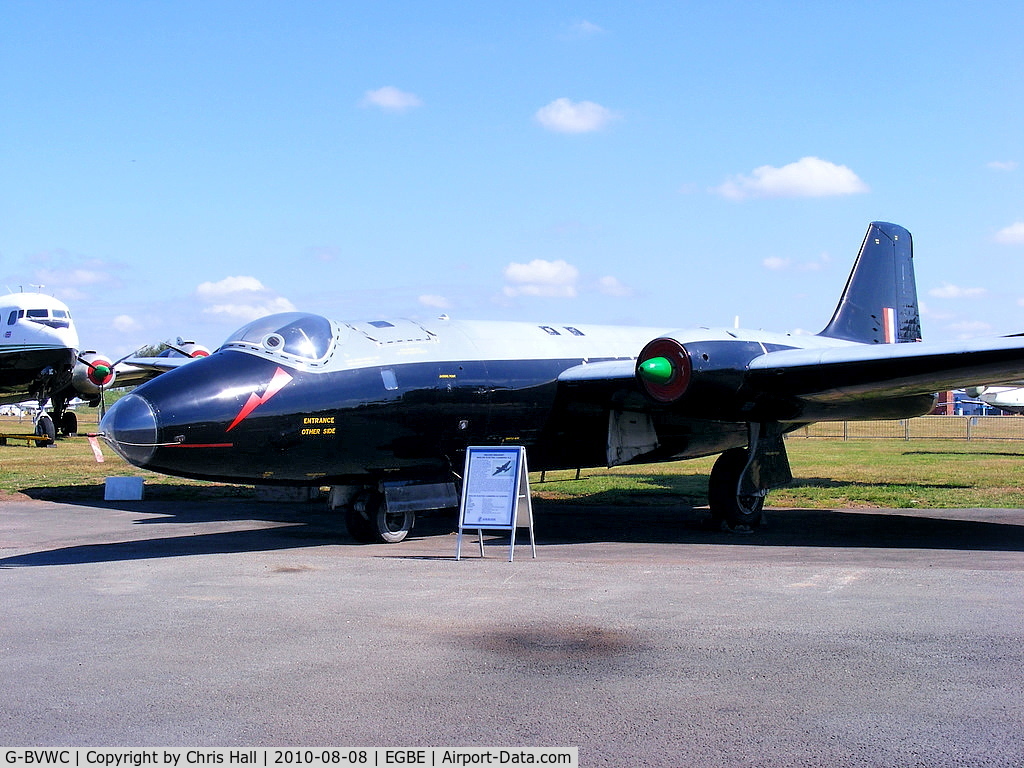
(130, 429)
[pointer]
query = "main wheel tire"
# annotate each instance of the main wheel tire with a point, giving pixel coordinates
(369, 520)
(393, 527)
(69, 424)
(738, 512)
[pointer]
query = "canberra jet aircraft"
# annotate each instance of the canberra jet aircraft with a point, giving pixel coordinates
(383, 411)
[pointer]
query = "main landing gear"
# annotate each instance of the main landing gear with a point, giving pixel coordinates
(741, 478)
(736, 510)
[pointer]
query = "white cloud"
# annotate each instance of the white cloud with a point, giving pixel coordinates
(229, 285)
(541, 278)
(78, 277)
(241, 298)
(434, 301)
(776, 263)
(612, 286)
(929, 312)
(565, 116)
(807, 177)
(970, 328)
(781, 263)
(1011, 235)
(391, 99)
(1000, 165)
(70, 276)
(950, 291)
(248, 312)
(126, 324)
(584, 28)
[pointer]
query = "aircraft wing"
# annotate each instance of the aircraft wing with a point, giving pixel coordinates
(878, 371)
(738, 381)
(137, 370)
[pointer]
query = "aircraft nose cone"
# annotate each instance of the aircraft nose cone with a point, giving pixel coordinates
(130, 428)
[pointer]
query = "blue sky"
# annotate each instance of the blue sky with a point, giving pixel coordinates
(177, 168)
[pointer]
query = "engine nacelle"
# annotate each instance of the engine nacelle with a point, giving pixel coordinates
(93, 373)
(186, 348)
(703, 377)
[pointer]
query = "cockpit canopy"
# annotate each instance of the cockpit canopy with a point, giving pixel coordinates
(298, 334)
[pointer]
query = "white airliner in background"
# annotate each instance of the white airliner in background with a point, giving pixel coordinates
(38, 352)
(41, 360)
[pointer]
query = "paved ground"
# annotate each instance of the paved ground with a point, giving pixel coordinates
(829, 638)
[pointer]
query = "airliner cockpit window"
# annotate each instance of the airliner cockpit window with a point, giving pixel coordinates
(294, 333)
(58, 318)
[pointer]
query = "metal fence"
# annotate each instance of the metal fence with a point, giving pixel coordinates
(923, 427)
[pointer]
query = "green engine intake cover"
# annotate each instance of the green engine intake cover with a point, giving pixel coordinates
(657, 370)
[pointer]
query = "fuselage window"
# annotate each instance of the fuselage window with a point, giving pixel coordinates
(13, 317)
(390, 380)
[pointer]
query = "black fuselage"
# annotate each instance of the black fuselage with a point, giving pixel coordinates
(402, 421)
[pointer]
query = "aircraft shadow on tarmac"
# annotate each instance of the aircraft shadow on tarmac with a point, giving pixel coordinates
(283, 526)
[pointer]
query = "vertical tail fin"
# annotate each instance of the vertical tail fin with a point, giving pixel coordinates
(879, 303)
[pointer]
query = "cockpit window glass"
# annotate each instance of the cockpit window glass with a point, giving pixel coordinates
(59, 319)
(294, 333)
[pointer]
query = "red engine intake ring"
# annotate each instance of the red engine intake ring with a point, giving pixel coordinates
(97, 376)
(682, 368)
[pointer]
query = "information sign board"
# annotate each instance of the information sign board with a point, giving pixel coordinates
(495, 494)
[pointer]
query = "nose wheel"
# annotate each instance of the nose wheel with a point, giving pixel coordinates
(369, 521)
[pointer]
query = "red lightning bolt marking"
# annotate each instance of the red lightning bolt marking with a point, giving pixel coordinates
(281, 378)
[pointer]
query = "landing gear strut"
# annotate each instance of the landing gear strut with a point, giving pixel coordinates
(742, 477)
(738, 511)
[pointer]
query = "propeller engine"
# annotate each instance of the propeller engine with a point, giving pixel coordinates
(186, 348)
(92, 375)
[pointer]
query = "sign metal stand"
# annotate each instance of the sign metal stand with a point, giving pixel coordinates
(495, 495)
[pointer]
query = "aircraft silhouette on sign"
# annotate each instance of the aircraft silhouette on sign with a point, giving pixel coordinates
(383, 411)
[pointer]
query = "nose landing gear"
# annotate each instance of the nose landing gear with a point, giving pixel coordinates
(370, 521)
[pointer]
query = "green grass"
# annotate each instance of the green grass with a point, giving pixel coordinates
(69, 471)
(829, 473)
